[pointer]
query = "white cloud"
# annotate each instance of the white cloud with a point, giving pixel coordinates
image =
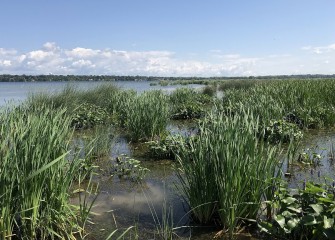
(5, 63)
(39, 55)
(82, 52)
(50, 46)
(83, 63)
(79, 60)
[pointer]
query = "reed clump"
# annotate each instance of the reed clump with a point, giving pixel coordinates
(312, 102)
(147, 116)
(36, 175)
(226, 171)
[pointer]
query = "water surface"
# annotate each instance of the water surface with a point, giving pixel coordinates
(18, 91)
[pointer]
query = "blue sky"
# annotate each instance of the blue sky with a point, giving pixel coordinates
(167, 38)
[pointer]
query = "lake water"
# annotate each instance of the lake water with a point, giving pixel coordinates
(19, 91)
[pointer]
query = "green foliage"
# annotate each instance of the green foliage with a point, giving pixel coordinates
(237, 84)
(36, 175)
(209, 91)
(306, 213)
(186, 103)
(163, 83)
(165, 148)
(226, 171)
(128, 168)
(312, 101)
(282, 131)
(188, 111)
(310, 156)
(88, 115)
(147, 116)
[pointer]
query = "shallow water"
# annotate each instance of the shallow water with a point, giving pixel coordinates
(315, 142)
(123, 203)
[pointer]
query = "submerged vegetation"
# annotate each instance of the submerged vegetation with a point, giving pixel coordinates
(230, 170)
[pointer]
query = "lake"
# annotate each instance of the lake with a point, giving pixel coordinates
(19, 91)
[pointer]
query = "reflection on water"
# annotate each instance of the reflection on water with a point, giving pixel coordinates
(124, 203)
(314, 143)
(120, 146)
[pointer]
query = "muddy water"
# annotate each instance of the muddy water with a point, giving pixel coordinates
(123, 203)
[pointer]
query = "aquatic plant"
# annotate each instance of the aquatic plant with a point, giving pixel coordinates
(187, 103)
(282, 131)
(88, 115)
(209, 90)
(226, 170)
(311, 101)
(310, 156)
(36, 175)
(166, 147)
(128, 168)
(305, 213)
(147, 116)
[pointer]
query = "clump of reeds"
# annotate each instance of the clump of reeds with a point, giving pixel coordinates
(147, 116)
(36, 175)
(226, 170)
(311, 101)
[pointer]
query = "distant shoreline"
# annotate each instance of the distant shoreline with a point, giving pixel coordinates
(111, 78)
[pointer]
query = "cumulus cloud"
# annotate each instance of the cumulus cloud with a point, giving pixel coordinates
(79, 60)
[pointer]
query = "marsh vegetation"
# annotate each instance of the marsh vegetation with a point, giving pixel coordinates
(240, 139)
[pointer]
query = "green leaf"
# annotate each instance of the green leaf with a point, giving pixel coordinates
(313, 189)
(327, 200)
(297, 210)
(45, 167)
(286, 214)
(289, 200)
(308, 220)
(317, 208)
(265, 226)
(328, 222)
(292, 223)
(280, 220)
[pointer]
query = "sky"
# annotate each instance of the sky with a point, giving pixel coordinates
(203, 38)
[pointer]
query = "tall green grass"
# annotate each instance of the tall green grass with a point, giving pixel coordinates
(147, 116)
(312, 101)
(36, 175)
(226, 170)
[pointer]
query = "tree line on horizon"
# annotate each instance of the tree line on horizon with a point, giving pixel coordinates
(58, 78)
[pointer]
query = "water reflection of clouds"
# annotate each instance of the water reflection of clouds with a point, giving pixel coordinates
(131, 201)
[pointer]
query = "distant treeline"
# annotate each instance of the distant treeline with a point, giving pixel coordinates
(45, 78)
